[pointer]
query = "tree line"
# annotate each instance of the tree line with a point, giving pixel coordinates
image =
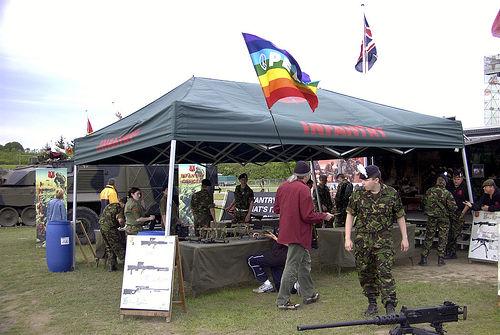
(14, 154)
(274, 170)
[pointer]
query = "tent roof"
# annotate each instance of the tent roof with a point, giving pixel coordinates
(218, 121)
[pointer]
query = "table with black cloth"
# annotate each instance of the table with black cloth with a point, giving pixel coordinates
(211, 266)
(331, 246)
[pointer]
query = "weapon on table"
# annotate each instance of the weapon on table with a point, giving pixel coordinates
(142, 267)
(214, 240)
(257, 216)
(482, 243)
(484, 223)
(252, 215)
(190, 238)
(435, 316)
(143, 288)
(152, 241)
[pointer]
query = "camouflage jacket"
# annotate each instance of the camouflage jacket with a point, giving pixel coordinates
(133, 211)
(325, 198)
(439, 202)
(375, 212)
(110, 215)
(243, 197)
(201, 202)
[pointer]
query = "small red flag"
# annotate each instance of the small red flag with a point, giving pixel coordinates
(495, 28)
(89, 127)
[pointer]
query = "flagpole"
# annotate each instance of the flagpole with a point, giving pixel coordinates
(276, 127)
(279, 136)
(365, 65)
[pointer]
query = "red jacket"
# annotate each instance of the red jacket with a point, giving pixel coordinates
(294, 205)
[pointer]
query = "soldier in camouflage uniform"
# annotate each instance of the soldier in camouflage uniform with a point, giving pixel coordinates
(243, 202)
(203, 207)
(134, 212)
(374, 206)
(344, 191)
(439, 207)
(460, 194)
(111, 219)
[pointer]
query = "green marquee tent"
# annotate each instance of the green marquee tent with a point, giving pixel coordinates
(214, 121)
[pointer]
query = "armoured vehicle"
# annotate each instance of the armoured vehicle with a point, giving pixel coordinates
(17, 190)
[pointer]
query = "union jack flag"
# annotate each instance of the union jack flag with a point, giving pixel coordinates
(368, 49)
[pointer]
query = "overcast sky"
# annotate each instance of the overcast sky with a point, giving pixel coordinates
(60, 58)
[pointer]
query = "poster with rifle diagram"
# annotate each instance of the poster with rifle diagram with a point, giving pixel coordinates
(483, 244)
(148, 273)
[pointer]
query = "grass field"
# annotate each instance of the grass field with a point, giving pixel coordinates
(86, 301)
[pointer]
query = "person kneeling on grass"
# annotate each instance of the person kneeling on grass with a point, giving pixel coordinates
(273, 259)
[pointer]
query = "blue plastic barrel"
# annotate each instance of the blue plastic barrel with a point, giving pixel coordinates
(151, 232)
(59, 246)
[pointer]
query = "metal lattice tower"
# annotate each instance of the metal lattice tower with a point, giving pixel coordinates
(492, 90)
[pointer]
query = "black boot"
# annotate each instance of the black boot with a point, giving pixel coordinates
(390, 309)
(111, 265)
(423, 261)
(372, 307)
(441, 261)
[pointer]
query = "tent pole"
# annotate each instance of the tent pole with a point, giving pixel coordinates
(313, 175)
(73, 222)
(171, 171)
(467, 177)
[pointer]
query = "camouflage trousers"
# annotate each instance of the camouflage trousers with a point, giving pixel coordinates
(456, 224)
(441, 225)
(201, 221)
(114, 242)
(374, 256)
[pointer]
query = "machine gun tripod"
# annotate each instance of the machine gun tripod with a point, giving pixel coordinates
(435, 316)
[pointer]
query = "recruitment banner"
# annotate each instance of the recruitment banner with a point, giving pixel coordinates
(190, 177)
(332, 167)
(263, 205)
(47, 181)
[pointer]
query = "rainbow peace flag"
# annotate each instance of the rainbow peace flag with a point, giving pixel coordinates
(279, 73)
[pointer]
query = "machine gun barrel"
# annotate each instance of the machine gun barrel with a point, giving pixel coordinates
(379, 320)
(435, 316)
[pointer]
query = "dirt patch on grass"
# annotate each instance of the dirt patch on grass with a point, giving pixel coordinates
(10, 312)
(39, 321)
(13, 308)
(456, 270)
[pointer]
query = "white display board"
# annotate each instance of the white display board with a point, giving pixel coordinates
(148, 273)
(484, 236)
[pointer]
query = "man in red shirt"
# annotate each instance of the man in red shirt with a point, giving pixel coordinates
(294, 205)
